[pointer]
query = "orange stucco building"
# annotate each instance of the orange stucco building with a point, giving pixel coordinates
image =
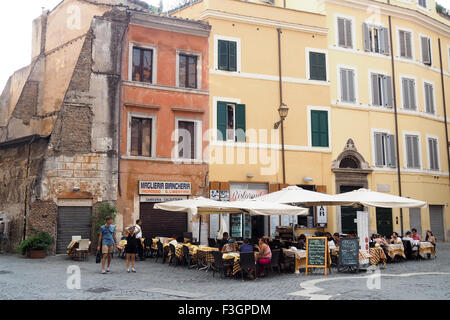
(164, 117)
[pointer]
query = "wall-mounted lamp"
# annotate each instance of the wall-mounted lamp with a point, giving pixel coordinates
(250, 175)
(76, 189)
(307, 179)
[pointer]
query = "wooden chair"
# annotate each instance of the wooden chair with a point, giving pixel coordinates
(83, 249)
(247, 263)
(274, 263)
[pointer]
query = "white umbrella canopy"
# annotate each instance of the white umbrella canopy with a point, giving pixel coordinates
(297, 195)
(376, 199)
(223, 228)
(204, 206)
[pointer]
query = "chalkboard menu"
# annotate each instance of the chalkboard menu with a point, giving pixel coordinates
(349, 252)
(316, 253)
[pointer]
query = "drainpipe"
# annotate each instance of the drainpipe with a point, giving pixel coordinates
(447, 142)
(396, 122)
(281, 103)
(26, 189)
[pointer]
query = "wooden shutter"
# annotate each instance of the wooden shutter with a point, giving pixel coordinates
(429, 98)
(389, 95)
(409, 152)
(341, 32)
(412, 94)
(351, 85)
(402, 44)
(240, 122)
(348, 34)
(416, 152)
(408, 45)
(317, 66)
(221, 121)
(232, 55)
(378, 149)
(319, 128)
(366, 37)
(223, 55)
(375, 90)
(344, 89)
(384, 32)
(391, 151)
(426, 57)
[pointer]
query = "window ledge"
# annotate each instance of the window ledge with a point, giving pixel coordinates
(163, 87)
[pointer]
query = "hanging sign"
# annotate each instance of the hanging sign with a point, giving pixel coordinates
(322, 216)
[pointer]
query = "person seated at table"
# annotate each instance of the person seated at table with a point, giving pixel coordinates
(395, 239)
(336, 237)
(265, 255)
(408, 237)
(174, 241)
(224, 240)
(229, 247)
(415, 235)
(379, 239)
(246, 247)
(301, 242)
(430, 238)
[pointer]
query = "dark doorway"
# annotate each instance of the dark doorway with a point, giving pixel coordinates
(257, 227)
(160, 223)
(72, 221)
(349, 214)
(384, 222)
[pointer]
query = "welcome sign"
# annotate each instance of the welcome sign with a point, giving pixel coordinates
(164, 188)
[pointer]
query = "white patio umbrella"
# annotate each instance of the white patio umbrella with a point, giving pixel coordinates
(297, 195)
(376, 199)
(223, 228)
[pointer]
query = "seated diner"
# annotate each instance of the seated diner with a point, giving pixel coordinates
(265, 255)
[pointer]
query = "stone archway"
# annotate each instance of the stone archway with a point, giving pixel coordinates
(351, 171)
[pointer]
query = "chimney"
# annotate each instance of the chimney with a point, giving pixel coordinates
(39, 30)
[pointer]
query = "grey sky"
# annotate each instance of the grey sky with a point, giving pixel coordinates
(15, 22)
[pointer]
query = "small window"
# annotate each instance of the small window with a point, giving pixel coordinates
(347, 77)
(319, 128)
(405, 44)
(188, 71)
(385, 151)
(317, 66)
(429, 98)
(345, 39)
(376, 39)
(382, 94)
(409, 94)
(142, 65)
(227, 55)
(426, 50)
(141, 137)
(231, 122)
(187, 140)
(433, 154)
(423, 3)
(412, 152)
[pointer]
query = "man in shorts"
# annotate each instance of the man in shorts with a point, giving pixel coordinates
(108, 241)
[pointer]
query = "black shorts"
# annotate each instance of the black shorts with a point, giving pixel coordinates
(130, 249)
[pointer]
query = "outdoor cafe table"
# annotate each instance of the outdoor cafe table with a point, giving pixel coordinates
(426, 248)
(73, 246)
(300, 257)
(237, 257)
(395, 250)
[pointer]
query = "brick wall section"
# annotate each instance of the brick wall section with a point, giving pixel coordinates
(43, 217)
(82, 74)
(27, 105)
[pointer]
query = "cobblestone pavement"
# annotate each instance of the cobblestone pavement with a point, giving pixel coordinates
(22, 278)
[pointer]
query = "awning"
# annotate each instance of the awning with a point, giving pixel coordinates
(297, 195)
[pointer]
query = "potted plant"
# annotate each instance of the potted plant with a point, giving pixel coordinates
(36, 245)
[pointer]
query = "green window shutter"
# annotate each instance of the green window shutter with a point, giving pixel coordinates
(317, 66)
(232, 55)
(240, 122)
(223, 55)
(319, 128)
(221, 121)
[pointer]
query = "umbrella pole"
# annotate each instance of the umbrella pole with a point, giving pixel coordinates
(200, 231)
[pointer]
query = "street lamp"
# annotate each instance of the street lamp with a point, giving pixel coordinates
(283, 112)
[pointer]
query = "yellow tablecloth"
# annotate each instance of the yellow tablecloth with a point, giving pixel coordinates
(236, 256)
(395, 250)
(426, 248)
(300, 257)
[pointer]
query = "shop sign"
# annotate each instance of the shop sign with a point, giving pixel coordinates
(158, 199)
(214, 195)
(247, 191)
(322, 216)
(164, 188)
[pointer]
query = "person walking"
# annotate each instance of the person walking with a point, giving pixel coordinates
(107, 242)
(131, 248)
(138, 232)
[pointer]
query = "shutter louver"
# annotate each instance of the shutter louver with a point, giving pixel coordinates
(389, 102)
(223, 55)
(232, 56)
(344, 81)
(341, 32)
(366, 35)
(378, 150)
(392, 152)
(240, 123)
(348, 34)
(351, 85)
(412, 94)
(221, 121)
(375, 91)
(426, 58)
(408, 45)
(402, 44)
(387, 46)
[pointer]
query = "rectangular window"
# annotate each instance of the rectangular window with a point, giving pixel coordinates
(426, 50)
(409, 94)
(429, 98)
(405, 44)
(348, 85)
(376, 39)
(382, 94)
(412, 152)
(433, 154)
(227, 55)
(188, 71)
(141, 137)
(187, 140)
(142, 65)
(319, 128)
(423, 3)
(231, 122)
(345, 33)
(385, 150)
(317, 66)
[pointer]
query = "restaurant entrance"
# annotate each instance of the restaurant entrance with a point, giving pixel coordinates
(349, 214)
(384, 222)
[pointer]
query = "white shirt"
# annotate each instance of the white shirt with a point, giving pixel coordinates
(138, 231)
(174, 242)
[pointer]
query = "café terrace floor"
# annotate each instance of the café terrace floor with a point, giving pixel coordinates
(22, 278)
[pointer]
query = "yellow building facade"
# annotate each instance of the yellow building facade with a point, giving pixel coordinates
(342, 89)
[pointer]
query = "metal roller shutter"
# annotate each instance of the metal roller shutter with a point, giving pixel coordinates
(72, 221)
(160, 223)
(437, 222)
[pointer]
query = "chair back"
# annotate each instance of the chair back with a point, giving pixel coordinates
(247, 260)
(172, 249)
(83, 244)
(218, 261)
(408, 248)
(275, 258)
(76, 238)
(212, 242)
(187, 235)
(185, 251)
(160, 247)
